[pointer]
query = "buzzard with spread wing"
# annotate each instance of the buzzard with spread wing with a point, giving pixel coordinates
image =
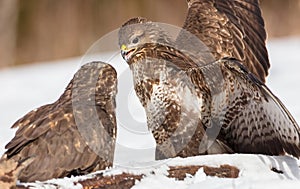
(220, 107)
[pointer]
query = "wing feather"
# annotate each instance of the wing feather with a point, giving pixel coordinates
(255, 120)
(231, 28)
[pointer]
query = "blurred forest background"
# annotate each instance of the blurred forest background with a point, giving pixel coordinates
(42, 30)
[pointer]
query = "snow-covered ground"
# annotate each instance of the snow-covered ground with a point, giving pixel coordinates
(255, 172)
(27, 87)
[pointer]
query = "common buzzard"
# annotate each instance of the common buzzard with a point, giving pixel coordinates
(189, 106)
(74, 135)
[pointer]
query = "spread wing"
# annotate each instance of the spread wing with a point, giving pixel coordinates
(231, 28)
(51, 133)
(253, 119)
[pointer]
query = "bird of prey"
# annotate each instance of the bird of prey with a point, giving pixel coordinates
(219, 107)
(74, 135)
(231, 28)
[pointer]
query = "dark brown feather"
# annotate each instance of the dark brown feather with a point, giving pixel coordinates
(231, 28)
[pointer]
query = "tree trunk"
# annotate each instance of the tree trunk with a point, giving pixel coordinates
(8, 31)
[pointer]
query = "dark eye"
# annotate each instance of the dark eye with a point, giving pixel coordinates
(135, 40)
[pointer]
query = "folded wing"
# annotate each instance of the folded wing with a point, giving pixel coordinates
(253, 119)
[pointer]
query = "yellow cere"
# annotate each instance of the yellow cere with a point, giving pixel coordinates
(123, 47)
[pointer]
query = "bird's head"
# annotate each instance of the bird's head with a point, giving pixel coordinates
(136, 32)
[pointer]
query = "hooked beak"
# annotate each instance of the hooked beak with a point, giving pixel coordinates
(126, 53)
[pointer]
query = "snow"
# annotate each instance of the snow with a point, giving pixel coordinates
(255, 172)
(27, 87)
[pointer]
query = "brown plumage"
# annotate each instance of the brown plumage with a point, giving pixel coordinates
(189, 106)
(74, 135)
(231, 28)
